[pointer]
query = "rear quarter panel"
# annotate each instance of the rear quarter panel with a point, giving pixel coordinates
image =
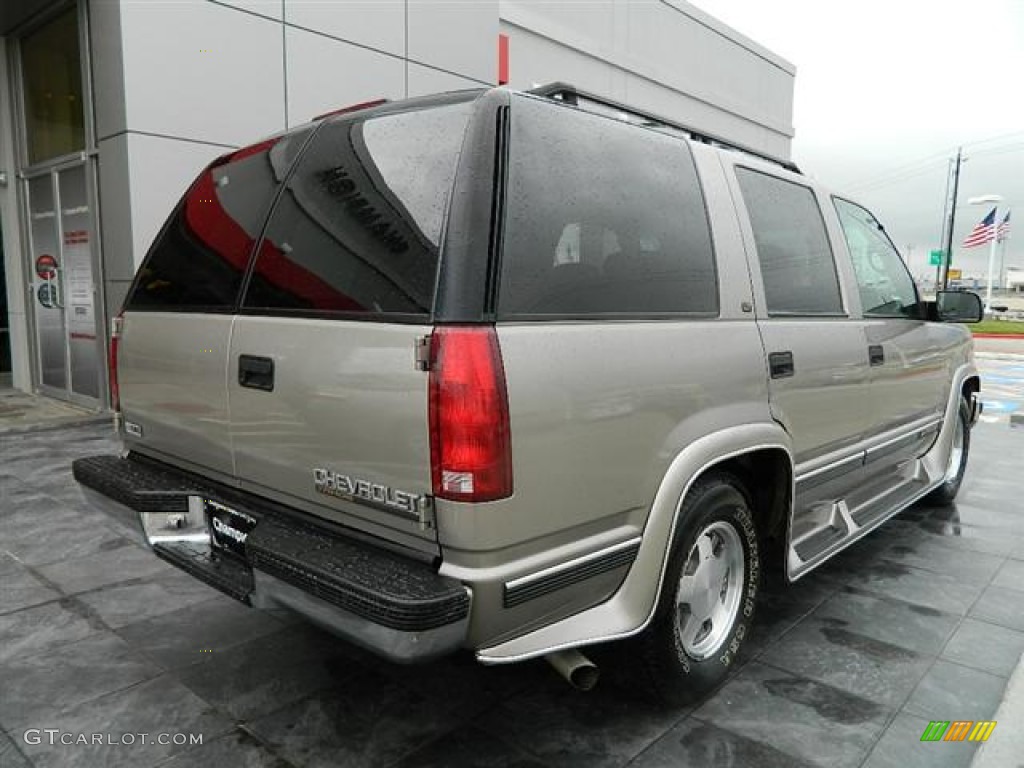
(599, 410)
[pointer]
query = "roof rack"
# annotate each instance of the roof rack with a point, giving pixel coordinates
(590, 102)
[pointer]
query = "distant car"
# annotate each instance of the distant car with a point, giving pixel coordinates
(488, 370)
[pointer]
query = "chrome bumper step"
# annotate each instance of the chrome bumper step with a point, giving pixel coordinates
(398, 606)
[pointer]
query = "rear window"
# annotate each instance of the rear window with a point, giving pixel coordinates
(357, 229)
(200, 256)
(602, 219)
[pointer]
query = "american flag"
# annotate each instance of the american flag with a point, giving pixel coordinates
(984, 231)
(1004, 229)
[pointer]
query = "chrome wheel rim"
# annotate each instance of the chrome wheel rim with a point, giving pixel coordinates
(709, 591)
(956, 453)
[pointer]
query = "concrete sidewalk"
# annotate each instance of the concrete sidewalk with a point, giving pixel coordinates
(1005, 748)
(21, 412)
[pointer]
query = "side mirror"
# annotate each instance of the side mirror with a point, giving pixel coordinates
(958, 307)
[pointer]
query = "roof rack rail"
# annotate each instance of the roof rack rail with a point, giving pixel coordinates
(590, 102)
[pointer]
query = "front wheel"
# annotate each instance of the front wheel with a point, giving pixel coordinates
(946, 493)
(708, 597)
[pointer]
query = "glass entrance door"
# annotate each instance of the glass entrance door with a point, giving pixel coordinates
(59, 197)
(63, 287)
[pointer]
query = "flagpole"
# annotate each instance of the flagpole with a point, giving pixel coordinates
(945, 224)
(991, 260)
(1002, 254)
(952, 221)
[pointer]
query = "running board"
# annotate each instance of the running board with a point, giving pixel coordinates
(843, 526)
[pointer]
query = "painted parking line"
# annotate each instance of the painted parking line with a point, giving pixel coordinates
(1002, 390)
(1000, 406)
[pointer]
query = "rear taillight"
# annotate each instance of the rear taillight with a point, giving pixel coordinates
(470, 443)
(115, 342)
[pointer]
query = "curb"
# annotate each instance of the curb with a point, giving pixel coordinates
(1007, 747)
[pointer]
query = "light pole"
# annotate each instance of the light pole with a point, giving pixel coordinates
(982, 200)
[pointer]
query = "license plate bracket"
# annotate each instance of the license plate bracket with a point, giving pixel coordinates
(229, 527)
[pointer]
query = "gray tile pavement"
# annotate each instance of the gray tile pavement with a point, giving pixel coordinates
(919, 621)
(950, 687)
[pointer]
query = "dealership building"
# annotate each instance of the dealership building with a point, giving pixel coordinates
(109, 108)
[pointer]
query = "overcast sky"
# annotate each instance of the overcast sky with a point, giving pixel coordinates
(885, 91)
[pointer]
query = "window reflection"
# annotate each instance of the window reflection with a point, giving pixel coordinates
(200, 257)
(357, 229)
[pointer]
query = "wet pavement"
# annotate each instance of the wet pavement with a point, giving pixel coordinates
(22, 412)
(1003, 393)
(920, 621)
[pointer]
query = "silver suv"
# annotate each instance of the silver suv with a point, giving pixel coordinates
(521, 373)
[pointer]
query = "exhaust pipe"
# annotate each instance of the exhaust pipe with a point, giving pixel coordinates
(580, 671)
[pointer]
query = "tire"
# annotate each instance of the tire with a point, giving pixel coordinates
(946, 493)
(682, 656)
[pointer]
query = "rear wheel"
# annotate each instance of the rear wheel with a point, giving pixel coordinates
(946, 493)
(710, 590)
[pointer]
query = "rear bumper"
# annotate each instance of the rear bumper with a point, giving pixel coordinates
(397, 607)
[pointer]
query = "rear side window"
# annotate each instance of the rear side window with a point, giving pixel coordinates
(200, 256)
(357, 228)
(601, 219)
(797, 266)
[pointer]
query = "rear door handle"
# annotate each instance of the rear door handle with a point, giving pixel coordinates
(256, 372)
(876, 354)
(780, 364)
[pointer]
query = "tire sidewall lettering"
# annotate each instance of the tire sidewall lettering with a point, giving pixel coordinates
(742, 521)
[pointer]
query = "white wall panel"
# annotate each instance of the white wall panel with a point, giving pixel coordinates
(536, 60)
(107, 68)
(424, 81)
(458, 35)
(592, 21)
(161, 170)
(116, 208)
(378, 24)
(202, 71)
(686, 56)
(271, 8)
(666, 57)
(326, 74)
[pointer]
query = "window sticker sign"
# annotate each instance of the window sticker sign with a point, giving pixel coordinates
(47, 295)
(46, 267)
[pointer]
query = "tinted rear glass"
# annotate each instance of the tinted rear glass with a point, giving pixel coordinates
(358, 227)
(797, 266)
(199, 258)
(601, 219)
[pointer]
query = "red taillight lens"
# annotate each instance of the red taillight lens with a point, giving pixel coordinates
(115, 342)
(470, 443)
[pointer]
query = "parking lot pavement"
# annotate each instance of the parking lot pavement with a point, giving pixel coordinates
(920, 621)
(1002, 386)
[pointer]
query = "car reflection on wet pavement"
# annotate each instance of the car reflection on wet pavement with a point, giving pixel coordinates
(919, 621)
